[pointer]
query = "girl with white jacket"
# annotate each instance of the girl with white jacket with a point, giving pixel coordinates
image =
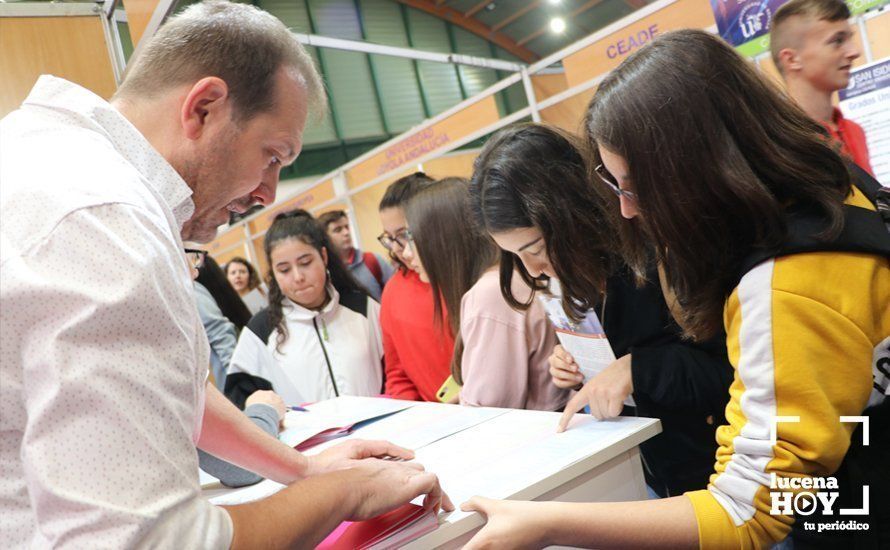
(320, 336)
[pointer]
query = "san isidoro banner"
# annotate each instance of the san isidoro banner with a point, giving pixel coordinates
(746, 23)
(866, 100)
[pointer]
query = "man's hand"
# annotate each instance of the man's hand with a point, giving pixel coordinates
(563, 369)
(349, 454)
(605, 393)
(381, 486)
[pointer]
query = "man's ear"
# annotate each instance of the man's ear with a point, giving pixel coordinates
(789, 61)
(205, 103)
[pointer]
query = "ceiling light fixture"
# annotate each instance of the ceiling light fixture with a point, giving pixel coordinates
(555, 2)
(558, 25)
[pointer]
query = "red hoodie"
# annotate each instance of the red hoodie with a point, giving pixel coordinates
(417, 354)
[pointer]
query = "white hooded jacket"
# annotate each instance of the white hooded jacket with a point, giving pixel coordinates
(335, 351)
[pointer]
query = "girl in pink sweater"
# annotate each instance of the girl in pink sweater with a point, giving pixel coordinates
(500, 355)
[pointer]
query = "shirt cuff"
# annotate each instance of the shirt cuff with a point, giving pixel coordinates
(265, 416)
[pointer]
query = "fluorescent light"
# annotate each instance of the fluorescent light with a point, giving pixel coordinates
(555, 2)
(557, 25)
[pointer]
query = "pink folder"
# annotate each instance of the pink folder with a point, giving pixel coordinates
(390, 530)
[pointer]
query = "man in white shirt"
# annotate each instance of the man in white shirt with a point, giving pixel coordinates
(103, 362)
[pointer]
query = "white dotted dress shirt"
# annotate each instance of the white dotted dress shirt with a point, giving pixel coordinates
(103, 358)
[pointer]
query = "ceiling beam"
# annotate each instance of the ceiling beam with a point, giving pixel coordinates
(576, 12)
(478, 7)
(516, 15)
(474, 26)
(319, 41)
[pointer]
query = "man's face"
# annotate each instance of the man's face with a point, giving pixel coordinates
(338, 233)
(827, 53)
(236, 164)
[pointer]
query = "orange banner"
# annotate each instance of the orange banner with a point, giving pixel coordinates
(606, 54)
(227, 240)
(407, 151)
(319, 194)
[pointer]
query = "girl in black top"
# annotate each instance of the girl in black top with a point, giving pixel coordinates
(531, 192)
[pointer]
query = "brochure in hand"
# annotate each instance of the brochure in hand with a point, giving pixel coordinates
(585, 340)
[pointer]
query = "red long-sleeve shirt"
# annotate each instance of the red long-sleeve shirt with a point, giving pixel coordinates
(417, 354)
(851, 138)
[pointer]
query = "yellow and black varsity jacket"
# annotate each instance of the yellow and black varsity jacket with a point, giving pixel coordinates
(808, 336)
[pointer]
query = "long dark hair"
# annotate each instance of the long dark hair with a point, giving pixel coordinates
(716, 154)
(397, 195)
(253, 278)
(453, 250)
(299, 224)
(532, 175)
(230, 304)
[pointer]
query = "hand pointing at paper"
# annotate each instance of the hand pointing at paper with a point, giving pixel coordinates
(605, 393)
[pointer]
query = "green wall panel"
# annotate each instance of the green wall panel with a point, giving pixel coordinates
(353, 98)
(439, 81)
(475, 79)
(400, 94)
(294, 15)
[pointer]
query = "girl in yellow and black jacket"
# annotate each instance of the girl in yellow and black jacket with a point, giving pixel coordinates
(712, 165)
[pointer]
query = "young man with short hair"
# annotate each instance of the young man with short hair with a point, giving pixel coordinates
(371, 270)
(812, 45)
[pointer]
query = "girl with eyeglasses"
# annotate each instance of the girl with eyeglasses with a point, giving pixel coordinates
(722, 167)
(532, 193)
(417, 351)
(320, 336)
(500, 356)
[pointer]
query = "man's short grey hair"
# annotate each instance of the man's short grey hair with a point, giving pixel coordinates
(241, 44)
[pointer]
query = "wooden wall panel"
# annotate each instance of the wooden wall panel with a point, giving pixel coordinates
(569, 114)
(139, 13)
(878, 29)
(223, 258)
(459, 165)
(68, 47)
(366, 204)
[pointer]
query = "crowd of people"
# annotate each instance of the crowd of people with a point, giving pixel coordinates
(727, 235)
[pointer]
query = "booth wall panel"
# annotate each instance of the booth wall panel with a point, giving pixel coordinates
(459, 165)
(222, 258)
(139, 13)
(227, 240)
(366, 211)
(878, 29)
(68, 47)
(405, 152)
(606, 54)
(569, 114)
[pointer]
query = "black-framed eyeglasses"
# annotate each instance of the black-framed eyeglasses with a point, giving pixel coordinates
(403, 238)
(609, 180)
(195, 257)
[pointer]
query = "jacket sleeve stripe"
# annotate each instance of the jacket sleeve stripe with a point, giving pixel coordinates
(735, 489)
